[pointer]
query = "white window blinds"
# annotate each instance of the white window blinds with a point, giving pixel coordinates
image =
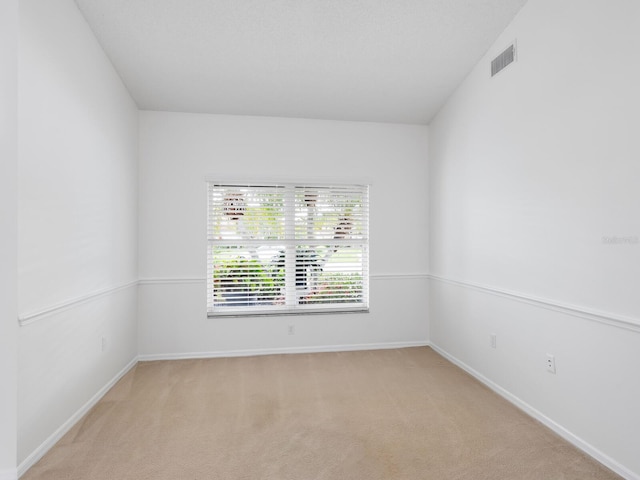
(287, 248)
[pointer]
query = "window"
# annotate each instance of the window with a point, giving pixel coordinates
(277, 249)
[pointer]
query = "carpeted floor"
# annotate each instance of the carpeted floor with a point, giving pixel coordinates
(387, 414)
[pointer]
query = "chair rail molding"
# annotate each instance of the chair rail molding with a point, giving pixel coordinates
(611, 319)
(172, 280)
(190, 280)
(35, 316)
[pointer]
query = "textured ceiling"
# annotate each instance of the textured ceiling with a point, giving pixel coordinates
(364, 60)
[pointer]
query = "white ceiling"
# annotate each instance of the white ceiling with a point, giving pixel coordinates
(365, 60)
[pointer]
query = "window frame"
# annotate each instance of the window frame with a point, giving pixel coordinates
(292, 304)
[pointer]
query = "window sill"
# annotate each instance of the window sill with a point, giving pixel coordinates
(287, 313)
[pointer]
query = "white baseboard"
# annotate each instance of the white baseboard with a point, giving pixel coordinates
(283, 350)
(39, 452)
(11, 474)
(556, 427)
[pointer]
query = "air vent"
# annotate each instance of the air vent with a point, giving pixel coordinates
(504, 59)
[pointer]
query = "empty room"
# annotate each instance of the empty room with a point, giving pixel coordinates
(319, 239)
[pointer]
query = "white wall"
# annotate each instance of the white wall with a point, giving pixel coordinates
(177, 152)
(77, 213)
(530, 173)
(9, 236)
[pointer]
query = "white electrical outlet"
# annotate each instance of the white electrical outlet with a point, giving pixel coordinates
(291, 330)
(551, 363)
(105, 344)
(492, 340)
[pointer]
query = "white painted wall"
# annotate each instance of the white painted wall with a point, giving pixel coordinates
(77, 220)
(177, 152)
(9, 236)
(529, 172)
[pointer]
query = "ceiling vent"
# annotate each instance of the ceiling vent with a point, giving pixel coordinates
(505, 58)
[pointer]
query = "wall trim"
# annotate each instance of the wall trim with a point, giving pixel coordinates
(39, 452)
(171, 280)
(32, 317)
(278, 351)
(611, 319)
(197, 280)
(578, 442)
(399, 276)
(9, 474)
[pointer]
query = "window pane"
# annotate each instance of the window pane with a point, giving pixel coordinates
(328, 274)
(329, 213)
(237, 213)
(279, 248)
(244, 277)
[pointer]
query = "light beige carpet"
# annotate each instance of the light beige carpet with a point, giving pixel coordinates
(388, 414)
